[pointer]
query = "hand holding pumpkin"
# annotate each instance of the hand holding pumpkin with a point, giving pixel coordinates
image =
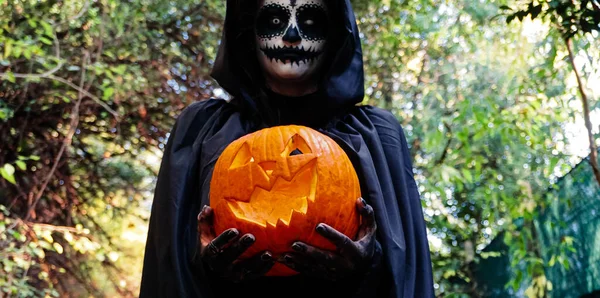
(350, 257)
(220, 253)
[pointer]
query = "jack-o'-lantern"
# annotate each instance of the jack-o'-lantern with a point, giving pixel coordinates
(280, 182)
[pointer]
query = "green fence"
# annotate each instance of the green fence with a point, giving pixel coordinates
(573, 212)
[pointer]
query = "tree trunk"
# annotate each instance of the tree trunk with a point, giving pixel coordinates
(586, 114)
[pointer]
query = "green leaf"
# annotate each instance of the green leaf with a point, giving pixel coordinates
(119, 69)
(32, 23)
(468, 176)
(491, 254)
(568, 240)
(108, 92)
(8, 45)
(7, 172)
(565, 263)
(27, 53)
(21, 165)
(10, 169)
(510, 18)
(535, 11)
(39, 252)
(57, 247)
(10, 76)
(45, 40)
(553, 162)
(47, 29)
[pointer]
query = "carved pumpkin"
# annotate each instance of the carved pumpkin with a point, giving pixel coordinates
(278, 184)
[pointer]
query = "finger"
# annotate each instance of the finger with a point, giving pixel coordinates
(205, 218)
(234, 251)
(368, 224)
(306, 266)
(225, 238)
(254, 267)
(301, 264)
(341, 241)
(327, 258)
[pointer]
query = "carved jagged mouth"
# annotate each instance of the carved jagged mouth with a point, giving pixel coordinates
(276, 205)
(291, 54)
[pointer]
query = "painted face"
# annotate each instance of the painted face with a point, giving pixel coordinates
(291, 37)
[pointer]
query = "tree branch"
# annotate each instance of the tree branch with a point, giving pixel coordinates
(595, 5)
(49, 74)
(447, 147)
(67, 141)
(586, 113)
(45, 74)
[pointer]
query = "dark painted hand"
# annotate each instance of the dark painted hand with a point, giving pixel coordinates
(221, 253)
(350, 256)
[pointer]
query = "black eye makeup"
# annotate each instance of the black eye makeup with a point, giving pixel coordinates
(272, 20)
(312, 21)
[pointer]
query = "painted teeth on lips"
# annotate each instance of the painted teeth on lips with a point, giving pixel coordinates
(287, 54)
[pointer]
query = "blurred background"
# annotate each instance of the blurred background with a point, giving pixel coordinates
(499, 100)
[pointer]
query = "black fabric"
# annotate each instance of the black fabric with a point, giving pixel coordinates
(372, 138)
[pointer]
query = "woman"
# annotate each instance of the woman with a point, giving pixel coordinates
(288, 62)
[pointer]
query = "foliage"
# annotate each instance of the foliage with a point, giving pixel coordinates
(570, 18)
(90, 89)
(484, 111)
(89, 92)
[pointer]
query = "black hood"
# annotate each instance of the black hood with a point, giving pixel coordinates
(372, 138)
(237, 72)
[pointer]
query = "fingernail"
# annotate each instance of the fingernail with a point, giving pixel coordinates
(320, 228)
(287, 258)
(266, 257)
(248, 239)
(298, 247)
(232, 232)
(363, 202)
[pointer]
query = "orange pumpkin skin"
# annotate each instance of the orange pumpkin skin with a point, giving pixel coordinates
(278, 184)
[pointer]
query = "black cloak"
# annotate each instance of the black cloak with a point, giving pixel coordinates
(372, 138)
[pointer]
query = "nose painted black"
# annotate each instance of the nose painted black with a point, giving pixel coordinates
(292, 35)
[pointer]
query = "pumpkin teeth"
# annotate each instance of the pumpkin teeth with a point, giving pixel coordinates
(264, 204)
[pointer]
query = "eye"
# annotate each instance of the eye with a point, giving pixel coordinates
(296, 152)
(296, 146)
(313, 22)
(272, 20)
(242, 157)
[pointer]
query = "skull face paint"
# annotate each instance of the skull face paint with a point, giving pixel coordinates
(291, 37)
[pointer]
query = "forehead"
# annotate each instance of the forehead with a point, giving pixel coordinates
(294, 3)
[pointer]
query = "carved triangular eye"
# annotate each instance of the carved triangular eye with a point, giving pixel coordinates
(296, 145)
(242, 157)
(296, 152)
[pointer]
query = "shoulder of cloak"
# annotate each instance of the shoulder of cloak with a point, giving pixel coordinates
(191, 120)
(390, 130)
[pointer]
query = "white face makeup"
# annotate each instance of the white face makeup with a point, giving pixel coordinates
(291, 37)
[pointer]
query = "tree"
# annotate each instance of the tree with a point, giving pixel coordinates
(571, 19)
(478, 104)
(89, 93)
